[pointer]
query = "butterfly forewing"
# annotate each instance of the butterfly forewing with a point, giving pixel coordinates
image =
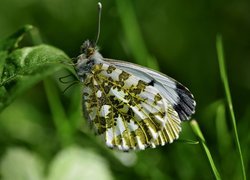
(126, 110)
(176, 94)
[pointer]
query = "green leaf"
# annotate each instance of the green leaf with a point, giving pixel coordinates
(3, 56)
(12, 41)
(25, 67)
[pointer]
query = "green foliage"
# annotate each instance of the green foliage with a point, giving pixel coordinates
(43, 134)
(22, 68)
(201, 138)
(12, 41)
(223, 73)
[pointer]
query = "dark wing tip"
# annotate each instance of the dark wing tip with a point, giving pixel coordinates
(186, 104)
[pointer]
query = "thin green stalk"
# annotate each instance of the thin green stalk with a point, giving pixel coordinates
(224, 79)
(63, 127)
(196, 129)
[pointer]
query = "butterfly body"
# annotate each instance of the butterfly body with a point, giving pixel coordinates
(130, 106)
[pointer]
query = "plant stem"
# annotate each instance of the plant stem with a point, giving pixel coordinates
(196, 129)
(63, 127)
(224, 79)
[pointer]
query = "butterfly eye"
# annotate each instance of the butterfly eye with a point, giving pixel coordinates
(88, 48)
(89, 51)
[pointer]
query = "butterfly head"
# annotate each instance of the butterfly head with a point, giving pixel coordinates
(88, 48)
(87, 58)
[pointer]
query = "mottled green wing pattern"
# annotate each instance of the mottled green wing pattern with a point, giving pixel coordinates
(126, 111)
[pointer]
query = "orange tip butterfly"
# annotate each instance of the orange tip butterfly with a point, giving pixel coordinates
(130, 106)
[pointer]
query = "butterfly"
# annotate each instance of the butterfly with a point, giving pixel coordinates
(130, 106)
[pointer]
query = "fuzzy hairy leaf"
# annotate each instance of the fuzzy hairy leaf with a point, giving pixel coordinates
(25, 67)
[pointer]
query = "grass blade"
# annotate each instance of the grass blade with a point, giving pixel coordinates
(196, 129)
(63, 127)
(224, 79)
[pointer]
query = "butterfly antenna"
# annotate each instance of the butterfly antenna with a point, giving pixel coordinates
(99, 21)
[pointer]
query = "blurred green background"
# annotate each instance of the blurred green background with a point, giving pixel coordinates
(177, 36)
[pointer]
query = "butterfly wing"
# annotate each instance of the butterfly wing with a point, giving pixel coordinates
(127, 111)
(178, 95)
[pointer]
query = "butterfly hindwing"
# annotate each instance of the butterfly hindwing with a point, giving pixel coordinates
(126, 110)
